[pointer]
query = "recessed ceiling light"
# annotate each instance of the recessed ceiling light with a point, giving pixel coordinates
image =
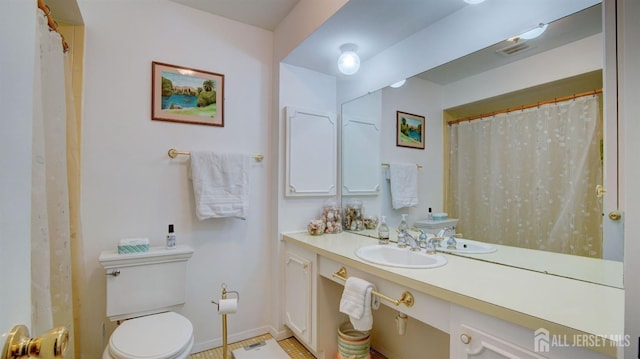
(473, 2)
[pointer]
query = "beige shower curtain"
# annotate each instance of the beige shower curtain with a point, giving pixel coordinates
(527, 178)
(55, 188)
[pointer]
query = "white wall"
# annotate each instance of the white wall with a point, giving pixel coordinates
(314, 91)
(132, 188)
(17, 38)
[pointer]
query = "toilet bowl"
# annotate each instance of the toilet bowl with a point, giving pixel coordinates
(159, 336)
(143, 289)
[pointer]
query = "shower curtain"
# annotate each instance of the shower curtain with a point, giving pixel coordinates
(527, 178)
(51, 255)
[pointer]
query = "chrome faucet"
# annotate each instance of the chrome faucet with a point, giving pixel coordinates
(411, 240)
(451, 240)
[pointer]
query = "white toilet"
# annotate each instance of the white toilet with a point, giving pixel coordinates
(142, 291)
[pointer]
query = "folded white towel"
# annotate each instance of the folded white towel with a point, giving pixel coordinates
(220, 184)
(404, 184)
(357, 302)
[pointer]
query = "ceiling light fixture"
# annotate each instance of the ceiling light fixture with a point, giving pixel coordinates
(349, 61)
(398, 84)
(473, 2)
(533, 33)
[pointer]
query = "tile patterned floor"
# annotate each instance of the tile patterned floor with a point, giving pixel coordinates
(290, 345)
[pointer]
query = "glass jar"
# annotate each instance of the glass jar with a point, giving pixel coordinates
(371, 222)
(353, 216)
(316, 227)
(332, 217)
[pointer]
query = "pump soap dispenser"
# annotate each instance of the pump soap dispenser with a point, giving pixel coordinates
(402, 228)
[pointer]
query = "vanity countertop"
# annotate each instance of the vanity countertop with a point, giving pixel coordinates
(528, 298)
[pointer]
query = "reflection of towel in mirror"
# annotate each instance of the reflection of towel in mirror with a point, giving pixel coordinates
(357, 302)
(404, 184)
(220, 184)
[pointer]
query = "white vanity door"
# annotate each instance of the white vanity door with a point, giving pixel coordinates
(478, 344)
(297, 298)
(311, 153)
(475, 335)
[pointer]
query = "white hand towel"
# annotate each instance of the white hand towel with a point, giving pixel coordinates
(404, 184)
(220, 184)
(357, 302)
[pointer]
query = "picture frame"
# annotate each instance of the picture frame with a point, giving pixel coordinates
(410, 130)
(186, 95)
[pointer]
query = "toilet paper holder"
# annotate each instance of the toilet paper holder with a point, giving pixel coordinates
(224, 295)
(226, 292)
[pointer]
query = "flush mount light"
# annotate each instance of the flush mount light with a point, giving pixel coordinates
(349, 61)
(533, 33)
(398, 84)
(473, 2)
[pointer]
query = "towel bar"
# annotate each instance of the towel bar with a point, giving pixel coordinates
(173, 153)
(385, 164)
(406, 299)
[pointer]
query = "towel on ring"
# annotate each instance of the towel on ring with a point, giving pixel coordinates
(357, 302)
(404, 184)
(220, 184)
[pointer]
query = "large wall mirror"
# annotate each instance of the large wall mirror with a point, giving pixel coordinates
(560, 229)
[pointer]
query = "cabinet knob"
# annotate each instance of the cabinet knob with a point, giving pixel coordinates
(615, 215)
(465, 338)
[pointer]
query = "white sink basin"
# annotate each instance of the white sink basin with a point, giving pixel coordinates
(390, 255)
(468, 246)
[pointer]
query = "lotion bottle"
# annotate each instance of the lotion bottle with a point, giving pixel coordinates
(402, 227)
(383, 232)
(171, 238)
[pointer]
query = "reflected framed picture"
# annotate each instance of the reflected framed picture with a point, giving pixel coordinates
(409, 130)
(181, 94)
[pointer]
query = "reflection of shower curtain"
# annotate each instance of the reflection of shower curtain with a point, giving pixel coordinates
(51, 295)
(527, 178)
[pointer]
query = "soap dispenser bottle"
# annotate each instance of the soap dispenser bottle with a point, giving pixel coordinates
(402, 227)
(383, 231)
(171, 238)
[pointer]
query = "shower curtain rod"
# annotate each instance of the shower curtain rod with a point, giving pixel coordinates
(53, 25)
(524, 107)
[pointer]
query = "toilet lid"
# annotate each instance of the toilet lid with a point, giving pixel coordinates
(157, 336)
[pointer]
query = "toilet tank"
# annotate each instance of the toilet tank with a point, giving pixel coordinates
(145, 283)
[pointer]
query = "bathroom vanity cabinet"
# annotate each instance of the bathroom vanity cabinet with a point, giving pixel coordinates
(488, 310)
(299, 274)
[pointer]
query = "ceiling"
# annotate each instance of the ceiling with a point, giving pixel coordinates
(266, 14)
(373, 25)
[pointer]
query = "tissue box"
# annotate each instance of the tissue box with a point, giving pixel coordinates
(133, 245)
(440, 216)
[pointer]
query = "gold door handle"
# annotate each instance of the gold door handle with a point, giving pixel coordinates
(50, 345)
(615, 215)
